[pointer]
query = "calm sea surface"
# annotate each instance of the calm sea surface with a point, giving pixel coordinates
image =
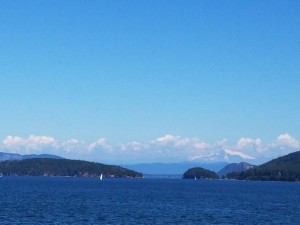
(59, 200)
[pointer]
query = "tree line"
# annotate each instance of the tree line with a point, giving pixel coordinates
(63, 167)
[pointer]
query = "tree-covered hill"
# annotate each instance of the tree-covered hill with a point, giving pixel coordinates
(199, 173)
(63, 167)
(285, 168)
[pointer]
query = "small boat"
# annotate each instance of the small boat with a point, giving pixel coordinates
(101, 176)
(195, 178)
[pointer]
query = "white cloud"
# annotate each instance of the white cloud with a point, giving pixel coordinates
(73, 145)
(40, 140)
(31, 144)
(287, 141)
(133, 145)
(165, 139)
(100, 144)
(11, 141)
(180, 142)
(201, 145)
(249, 143)
(176, 141)
(167, 148)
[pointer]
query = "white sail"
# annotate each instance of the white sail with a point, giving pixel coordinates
(101, 176)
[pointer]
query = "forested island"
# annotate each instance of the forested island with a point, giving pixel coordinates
(64, 167)
(285, 168)
(199, 173)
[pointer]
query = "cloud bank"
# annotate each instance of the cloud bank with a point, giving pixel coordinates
(168, 148)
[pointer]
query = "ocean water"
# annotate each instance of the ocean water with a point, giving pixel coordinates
(62, 200)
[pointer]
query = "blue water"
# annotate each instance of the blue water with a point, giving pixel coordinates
(58, 200)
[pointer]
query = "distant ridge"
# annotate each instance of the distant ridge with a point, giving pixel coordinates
(173, 168)
(13, 156)
(234, 168)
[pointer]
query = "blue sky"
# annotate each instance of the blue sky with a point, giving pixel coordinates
(119, 72)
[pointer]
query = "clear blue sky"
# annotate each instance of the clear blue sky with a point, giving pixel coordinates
(138, 70)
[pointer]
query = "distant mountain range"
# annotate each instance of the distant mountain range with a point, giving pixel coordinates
(12, 156)
(234, 168)
(285, 168)
(173, 168)
(145, 168)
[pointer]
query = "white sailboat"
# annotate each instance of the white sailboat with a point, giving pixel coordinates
(101, 176)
